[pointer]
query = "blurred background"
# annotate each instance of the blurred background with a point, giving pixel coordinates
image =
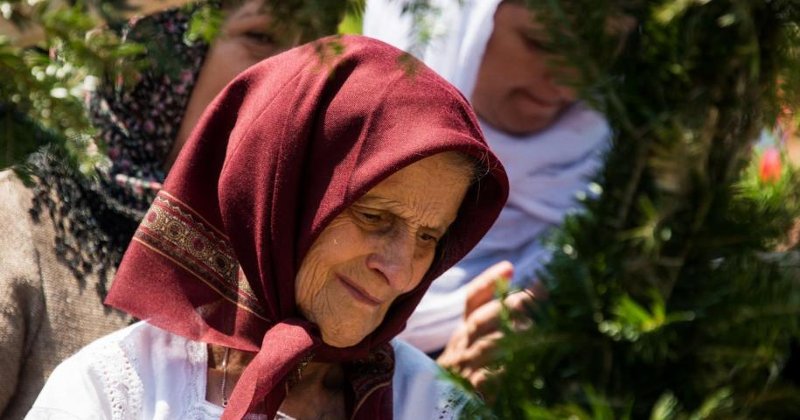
(53, 53)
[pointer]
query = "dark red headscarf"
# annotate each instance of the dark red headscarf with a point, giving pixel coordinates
(286, 147)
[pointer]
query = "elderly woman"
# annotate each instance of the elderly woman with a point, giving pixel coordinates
(321, 193)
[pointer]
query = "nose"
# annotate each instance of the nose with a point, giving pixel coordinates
(393, 259)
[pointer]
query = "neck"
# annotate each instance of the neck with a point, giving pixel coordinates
(319, 394)
(237, 360)
(325, 376)
(317, 391)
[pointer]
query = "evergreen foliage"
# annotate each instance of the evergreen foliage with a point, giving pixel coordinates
(44, 86)
(672, 294)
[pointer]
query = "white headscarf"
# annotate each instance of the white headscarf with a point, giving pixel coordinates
(546, 170)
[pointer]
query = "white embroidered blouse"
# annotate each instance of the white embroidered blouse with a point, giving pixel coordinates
(121, 376)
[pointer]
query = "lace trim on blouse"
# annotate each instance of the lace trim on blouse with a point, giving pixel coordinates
(116, 368)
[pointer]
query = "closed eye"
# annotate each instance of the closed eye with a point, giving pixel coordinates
(371, 217)
(260, 37)
(428, 238)
(536, 44)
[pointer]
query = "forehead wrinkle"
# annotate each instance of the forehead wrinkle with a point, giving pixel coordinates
(414, 214)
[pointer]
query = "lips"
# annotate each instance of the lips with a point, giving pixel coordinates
(358, 293)
(539, 101)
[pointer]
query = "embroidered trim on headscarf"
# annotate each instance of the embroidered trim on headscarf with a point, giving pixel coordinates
(174, 230)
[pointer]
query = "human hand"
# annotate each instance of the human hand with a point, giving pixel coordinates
(473, 345)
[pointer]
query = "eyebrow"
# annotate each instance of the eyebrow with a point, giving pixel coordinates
(378, 200)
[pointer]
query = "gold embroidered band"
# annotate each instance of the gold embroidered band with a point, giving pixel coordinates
(172, 228)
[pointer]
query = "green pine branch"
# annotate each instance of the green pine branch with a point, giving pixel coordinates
(671, 295)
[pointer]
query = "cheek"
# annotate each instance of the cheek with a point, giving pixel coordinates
(342, 322)
(228, 58)
(310, 282)
(421, 267)
(486, 96)
(328, 253)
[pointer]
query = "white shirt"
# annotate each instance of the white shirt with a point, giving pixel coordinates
(123, 376)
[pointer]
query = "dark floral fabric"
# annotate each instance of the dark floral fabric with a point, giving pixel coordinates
(95, 217)
(139, 124)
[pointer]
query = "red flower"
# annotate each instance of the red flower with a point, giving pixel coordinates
(769, 169)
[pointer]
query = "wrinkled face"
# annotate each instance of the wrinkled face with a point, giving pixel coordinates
(379, 248)
(244, 39)
(518, 90)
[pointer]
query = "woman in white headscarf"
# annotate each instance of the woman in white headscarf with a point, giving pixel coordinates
(550, 144)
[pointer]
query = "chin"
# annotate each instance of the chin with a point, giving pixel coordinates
(522, 128)
(518, 125)
(533, 123)
(339, 341)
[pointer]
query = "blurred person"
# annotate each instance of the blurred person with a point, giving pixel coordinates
(550, 143)
(62, 237)
(306, 216)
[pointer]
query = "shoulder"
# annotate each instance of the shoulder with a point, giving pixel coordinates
(10, 183)
(18, 248)
(15, 203)
(108, 377)
(420, 388)
(89, 382)
(21, 301)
